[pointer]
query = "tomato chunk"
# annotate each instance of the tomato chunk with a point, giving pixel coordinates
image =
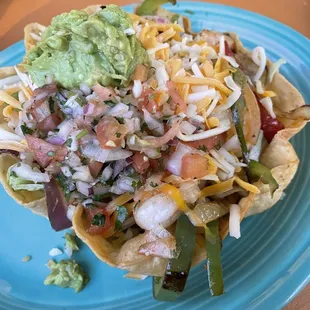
(175, 96)
(270, 126)
(194, 166)
(139, 163)
(110, 132)
(99, 221)
(207, 144)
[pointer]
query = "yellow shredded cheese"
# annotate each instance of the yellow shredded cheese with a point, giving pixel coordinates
(247, 186)
(202, 81)
(175, 67)
(269, 93)
(9, 100)
(166, 35)
(207, 69)
(203, 104)
(217, 188)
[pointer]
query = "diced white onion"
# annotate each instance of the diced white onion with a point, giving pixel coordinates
(133, 124)
(70, 212)
(162, 77)
(191, 110)
(85, 89)
(55, 252)
(66, 171)
(82, 174)
(26, 172)
(190, 191)
(65, 128)
(267, 104)
(259, 58)
(129, 31)
(195, 97)
(153, 123)
(234, 221)
(95, 152)
(73, 160)
(73, 107)
(174, 164)
(137, 88)
(232, 144)
(118, 154)
(224, 165)
(107, 173)
(187, 128)
(119, 109)
(83, 188)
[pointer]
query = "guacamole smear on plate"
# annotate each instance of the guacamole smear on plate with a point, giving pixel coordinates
(67, 273)
(78, 47)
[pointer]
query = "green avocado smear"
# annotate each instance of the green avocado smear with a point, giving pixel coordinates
(67, 273)
(78, 47)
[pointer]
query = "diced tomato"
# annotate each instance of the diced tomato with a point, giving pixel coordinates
(50, 123)
(95, 167)
(228, 51)
(270, 126)
(207, 144)
(110, 131)
(175, 96)
(139, 163)
(104, 93)
(147, 101)
(107, 229)
(44, 152)
(194, 166)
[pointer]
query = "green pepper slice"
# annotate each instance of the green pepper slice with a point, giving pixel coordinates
(213, 247)
(255, 169)
(172, 284)
(150, 7)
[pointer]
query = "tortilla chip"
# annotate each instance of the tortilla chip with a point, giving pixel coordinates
(33, 33)
(35, 201)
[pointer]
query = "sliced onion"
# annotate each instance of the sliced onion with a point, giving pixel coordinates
(119, 109)
(174, 164)
(234, 221)
(56, 206)
(83, 174)
(107, 173)
(89, 109)
(95, 152)
(55, 140)
(83, 188)
(120, 165)
(26, 172)
(153, 123)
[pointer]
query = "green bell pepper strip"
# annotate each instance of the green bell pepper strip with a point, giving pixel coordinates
(150, 7)
(255, 169)
(172, 284)
(213, 247)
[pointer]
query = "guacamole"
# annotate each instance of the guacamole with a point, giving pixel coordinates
(78, 48)
(67, 273)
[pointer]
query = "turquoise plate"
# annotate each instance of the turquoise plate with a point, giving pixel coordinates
(264, 269)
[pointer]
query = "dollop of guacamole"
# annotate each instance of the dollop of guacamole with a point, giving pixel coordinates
(78, 48)
(67, 273)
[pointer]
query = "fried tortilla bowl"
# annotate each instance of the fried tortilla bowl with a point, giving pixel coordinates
(279, 156)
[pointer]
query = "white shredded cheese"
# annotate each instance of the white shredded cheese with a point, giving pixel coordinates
(196, 97)
(158, 47)
(197, 71)
(9, 80)
(233, 97)
(213, 104)
(268, 105)
(162, 77)
(259, 87)
(203, 135)
(234, 221)
(274, 68)
(232, 144)
(260, 59)
(224, 165)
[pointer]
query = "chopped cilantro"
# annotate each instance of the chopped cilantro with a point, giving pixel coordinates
(102, 196)
(120, 120)
(84, 160)
(60, 99)
(136, 184)
(64, 183)
(118, 135)
(122, 214)
(51, 103)
(95, 122)
(169, 99)
(51, 153)
(202, 148)
(69, 142)
(110, 103)
(175, 18)
(144, 127)
(218, 145)
(98, 220)
(167, 151)
(153, 184)
(15, 95)
(81, 134)
(26, 130)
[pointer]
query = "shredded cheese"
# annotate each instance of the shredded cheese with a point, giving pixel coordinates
(217, 188)
(247, 186)
(9, 100)
(260, 59)
(268, 105)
